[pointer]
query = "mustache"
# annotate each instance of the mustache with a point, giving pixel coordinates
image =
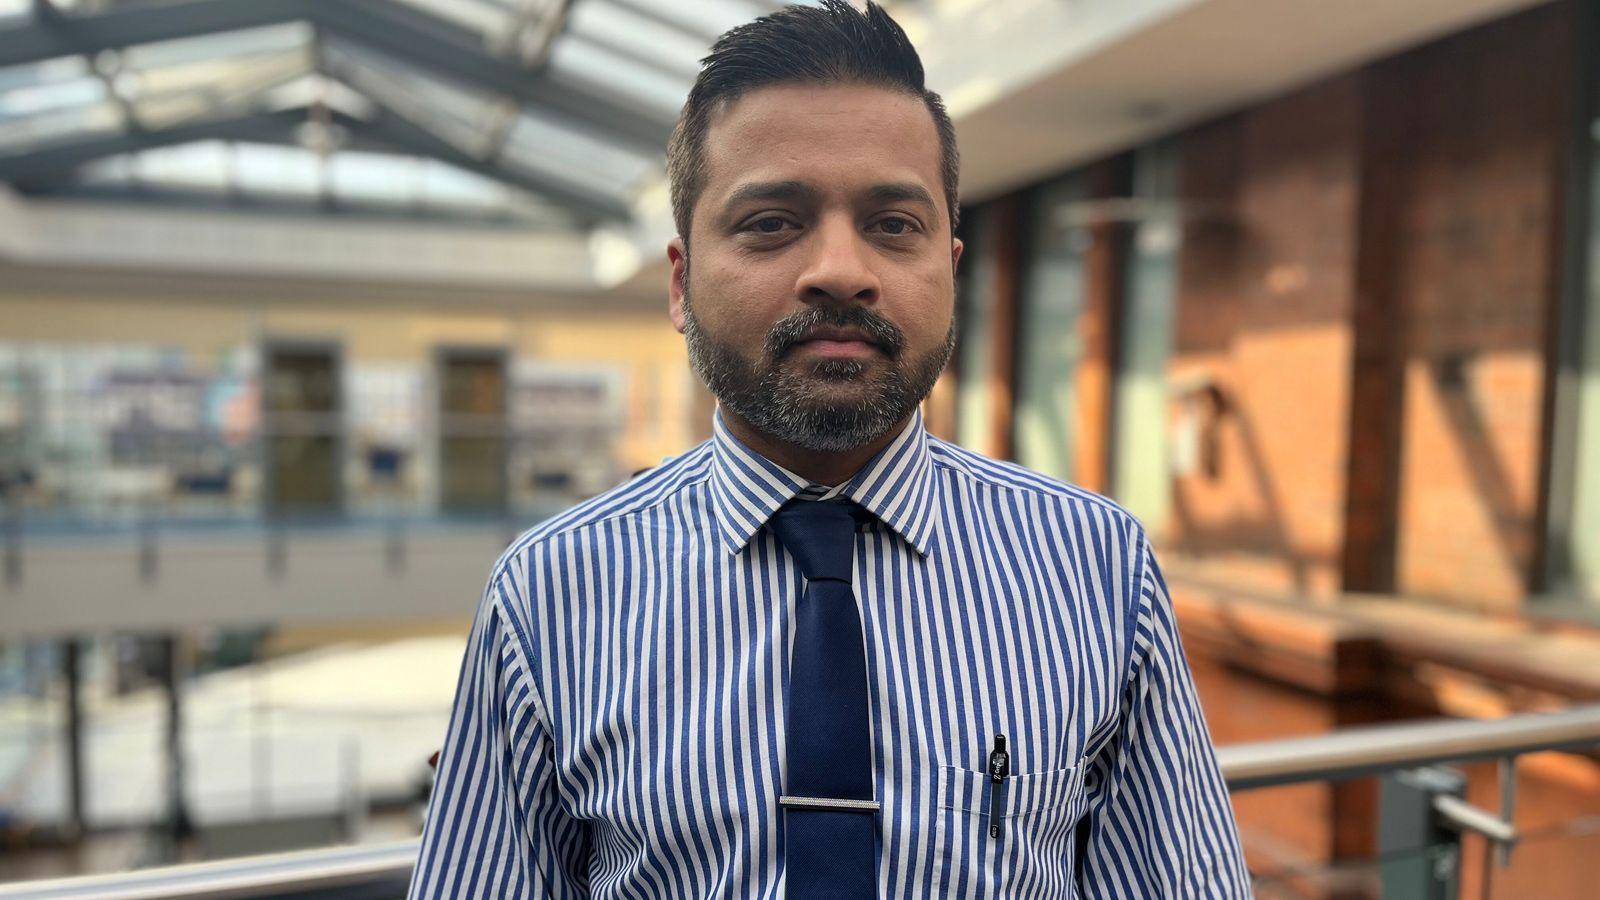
(792, 330)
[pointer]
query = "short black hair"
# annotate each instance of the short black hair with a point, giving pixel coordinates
(833, 43)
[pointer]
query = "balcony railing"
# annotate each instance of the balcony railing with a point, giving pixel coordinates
(368, 872)
(1356, 752)
(1404, 753)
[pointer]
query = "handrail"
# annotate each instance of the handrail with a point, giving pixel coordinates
(278, 874)
(1354, 752)
(1348, 753)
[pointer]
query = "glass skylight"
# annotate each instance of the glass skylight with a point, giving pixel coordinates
(476, 118)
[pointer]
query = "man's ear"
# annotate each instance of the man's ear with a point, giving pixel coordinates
(955, 254)
(678, 255)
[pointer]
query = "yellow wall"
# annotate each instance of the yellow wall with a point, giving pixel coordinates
(662, 414)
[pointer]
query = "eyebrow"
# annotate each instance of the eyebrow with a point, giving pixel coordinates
(772, 190)
(896, 192)
(900, 192)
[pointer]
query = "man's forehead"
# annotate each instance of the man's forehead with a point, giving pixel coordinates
(855, 135)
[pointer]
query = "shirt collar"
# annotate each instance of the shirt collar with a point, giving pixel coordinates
(896, 485)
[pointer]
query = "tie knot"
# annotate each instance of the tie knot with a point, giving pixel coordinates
(820, 535)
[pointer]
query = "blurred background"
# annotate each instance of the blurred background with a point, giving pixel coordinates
(308, 306)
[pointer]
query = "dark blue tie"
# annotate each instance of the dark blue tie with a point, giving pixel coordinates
(829, 816)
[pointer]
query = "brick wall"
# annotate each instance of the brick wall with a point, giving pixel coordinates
(1264, 306)
(1365, 282)
(1475, 220)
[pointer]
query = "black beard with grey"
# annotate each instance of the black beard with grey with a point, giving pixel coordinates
(795, 407)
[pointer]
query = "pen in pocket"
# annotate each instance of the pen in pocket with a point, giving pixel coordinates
(999, 770)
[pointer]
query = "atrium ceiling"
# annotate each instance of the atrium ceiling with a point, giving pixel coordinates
(533, 113)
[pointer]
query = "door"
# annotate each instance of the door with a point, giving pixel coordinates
(302, 425)
(472, 430)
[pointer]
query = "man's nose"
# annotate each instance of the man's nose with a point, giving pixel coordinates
(839, 269)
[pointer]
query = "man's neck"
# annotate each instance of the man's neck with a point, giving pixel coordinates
(826, 468)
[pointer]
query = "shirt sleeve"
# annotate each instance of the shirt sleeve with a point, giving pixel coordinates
(1167, 827)
(495, 825)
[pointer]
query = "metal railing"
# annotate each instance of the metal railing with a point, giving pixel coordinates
(1356, 752)
(375, 871)
(1423, 813)
(1405, 749)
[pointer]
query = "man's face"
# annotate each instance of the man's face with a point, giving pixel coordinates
(819, 304)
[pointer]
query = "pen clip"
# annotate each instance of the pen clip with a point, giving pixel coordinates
(999, 771)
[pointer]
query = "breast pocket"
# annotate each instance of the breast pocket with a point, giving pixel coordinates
(1034, 850)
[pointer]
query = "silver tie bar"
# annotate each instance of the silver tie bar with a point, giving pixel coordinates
(826, 803)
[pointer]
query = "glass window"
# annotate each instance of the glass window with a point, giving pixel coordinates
(375, 177)
(27, 75)
(176, 94)
(1140, 471)
(489, 19)
(25, 133)
(582, 178)
(1580, 557)
(215, 49)
(536, 145)
(205, 165)
(611, 26)
(51, 96)
(52, 101)
(354, 179)
(464, 118)
(578, 63)
(1049, 344)
(707, 17)
(265, 169)
(448, 188)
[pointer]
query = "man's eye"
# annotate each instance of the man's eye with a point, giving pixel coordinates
(896, 225)
(769, 224)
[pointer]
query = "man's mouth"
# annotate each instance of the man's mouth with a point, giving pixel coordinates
(830, 341)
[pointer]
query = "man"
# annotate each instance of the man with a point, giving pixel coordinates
(825, 654)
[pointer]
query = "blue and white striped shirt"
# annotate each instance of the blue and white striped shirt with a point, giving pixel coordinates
(618, 730)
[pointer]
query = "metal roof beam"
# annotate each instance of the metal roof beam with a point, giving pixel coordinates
(48, 163)
(204, 201)
(38, 169)
(73, 35)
